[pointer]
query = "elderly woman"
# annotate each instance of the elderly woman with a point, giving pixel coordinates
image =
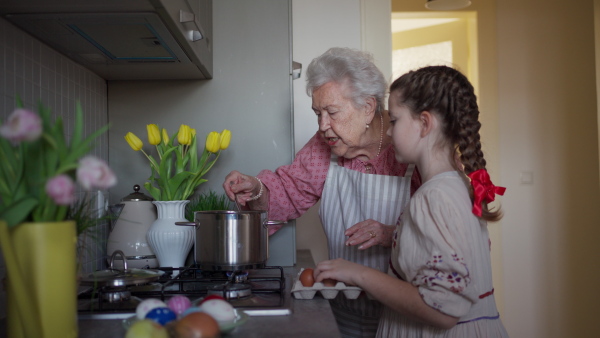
(349, 164)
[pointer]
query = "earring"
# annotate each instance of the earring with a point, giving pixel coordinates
(367, 126)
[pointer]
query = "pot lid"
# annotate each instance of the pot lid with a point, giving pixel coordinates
(114, 278)
(136, 195)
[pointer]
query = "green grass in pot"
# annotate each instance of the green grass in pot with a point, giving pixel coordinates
(207, 201)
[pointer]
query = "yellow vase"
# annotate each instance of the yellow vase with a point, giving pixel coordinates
(42, 285)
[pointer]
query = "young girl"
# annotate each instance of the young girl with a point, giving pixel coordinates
(439, 282)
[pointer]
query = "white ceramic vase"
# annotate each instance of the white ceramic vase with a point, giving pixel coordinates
(171, 243)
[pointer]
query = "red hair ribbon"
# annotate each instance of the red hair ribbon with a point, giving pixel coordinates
(483, 189)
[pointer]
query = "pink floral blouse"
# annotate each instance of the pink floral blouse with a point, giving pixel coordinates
(295, 188)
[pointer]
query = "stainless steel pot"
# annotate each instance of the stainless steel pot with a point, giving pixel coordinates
(231, 240)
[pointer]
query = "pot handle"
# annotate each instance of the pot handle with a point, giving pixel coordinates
(191, 224)
(267, 223)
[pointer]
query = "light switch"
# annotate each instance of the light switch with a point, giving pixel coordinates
(526, 177)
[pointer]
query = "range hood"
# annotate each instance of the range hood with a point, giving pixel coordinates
(144, 40)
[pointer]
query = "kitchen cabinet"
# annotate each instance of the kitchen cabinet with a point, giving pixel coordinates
(123, 40)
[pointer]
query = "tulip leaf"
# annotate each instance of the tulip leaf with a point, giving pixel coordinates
(193, 151)
(154, 192)
(81, 148)
(18, 211)
(176, 186)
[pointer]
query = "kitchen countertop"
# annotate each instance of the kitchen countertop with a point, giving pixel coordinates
(309, 318)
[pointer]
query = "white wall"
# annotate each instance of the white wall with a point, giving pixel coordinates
(548, 126)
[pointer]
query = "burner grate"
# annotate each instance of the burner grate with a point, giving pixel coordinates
(267, 287)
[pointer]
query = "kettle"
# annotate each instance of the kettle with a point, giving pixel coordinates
(128, 230)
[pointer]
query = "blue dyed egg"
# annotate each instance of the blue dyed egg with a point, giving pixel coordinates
(161, 315)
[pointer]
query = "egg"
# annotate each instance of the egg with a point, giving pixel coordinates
(146, 305)
(195, 325)
(190, 310)
(306, 277)
(209, 297)
(179, 304)
(161, 315)
(219, 309)
(329, 282)
(146, 328)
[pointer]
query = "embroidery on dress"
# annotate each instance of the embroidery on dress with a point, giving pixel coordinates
(434, 275)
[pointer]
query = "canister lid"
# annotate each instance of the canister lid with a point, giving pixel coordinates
(136, 195)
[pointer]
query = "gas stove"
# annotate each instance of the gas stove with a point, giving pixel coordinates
(258, 292)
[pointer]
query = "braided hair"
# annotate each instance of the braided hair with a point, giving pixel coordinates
(446, 92)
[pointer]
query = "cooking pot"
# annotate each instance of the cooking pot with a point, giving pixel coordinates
(231, 240)
(128, 232)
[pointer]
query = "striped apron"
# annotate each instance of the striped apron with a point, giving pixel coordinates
(350, 197)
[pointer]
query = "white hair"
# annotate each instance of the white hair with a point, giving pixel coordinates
(350, 66)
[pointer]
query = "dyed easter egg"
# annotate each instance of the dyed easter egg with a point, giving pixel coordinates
(146, 328)
(179, 304)
(161, 315)
(219, 309)
(191, 309)
(209, 297)
(146, 305)
(194, 325)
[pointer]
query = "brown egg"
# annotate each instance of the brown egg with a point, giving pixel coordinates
(195, 325)
(329, 282)
(306, 277)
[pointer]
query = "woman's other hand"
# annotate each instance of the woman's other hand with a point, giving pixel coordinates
(368, 233)
(240, 186)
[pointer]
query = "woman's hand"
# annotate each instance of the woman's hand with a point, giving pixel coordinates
(240, 186)
(341, 270)
(368, 233)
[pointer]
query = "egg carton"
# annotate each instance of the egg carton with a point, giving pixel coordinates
(328, 292)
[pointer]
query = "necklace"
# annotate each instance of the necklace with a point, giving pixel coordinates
(380, 136)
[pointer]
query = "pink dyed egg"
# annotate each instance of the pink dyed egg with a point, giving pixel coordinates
(179, 304)
(146, 305)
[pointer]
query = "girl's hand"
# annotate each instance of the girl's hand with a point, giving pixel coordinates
(341, 270)
(368, 233)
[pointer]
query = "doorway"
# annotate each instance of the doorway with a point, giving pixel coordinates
(441, 38)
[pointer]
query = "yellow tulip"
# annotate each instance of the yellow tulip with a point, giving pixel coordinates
(134, 142)
(193, 131)
(153, 134)
(165, 137)
(213, 144)
(225, 138)
(185, 135)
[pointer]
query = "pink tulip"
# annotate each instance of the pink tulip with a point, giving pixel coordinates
(95, 173)
(22, 125)
(61, 189)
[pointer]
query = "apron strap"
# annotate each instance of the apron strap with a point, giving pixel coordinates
(409, 170)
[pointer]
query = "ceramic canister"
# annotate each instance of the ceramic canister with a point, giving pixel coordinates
(129, 230)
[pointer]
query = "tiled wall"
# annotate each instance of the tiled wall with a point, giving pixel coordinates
(33, 71)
